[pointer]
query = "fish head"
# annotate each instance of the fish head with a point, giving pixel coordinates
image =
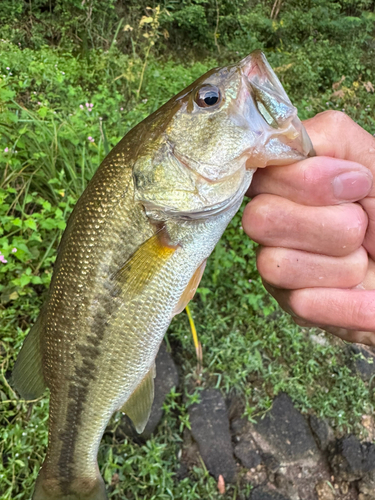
(206, 142)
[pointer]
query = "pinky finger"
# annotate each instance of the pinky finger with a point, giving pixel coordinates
(356, 336)
(349, 314)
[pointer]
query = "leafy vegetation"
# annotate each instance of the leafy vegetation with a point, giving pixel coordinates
(74, 78)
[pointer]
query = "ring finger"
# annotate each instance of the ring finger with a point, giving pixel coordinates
(293, 269)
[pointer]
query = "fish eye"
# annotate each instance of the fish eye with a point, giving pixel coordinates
(207, 96)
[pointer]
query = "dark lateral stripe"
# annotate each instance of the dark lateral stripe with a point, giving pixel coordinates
(88, 351)
(79, 389)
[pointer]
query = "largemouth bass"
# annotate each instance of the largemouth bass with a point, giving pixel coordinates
(133, 253)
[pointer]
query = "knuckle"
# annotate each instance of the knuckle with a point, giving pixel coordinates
(301, 304)
(268, 266)
(367, 338)
(337, 119)
(254, 220)
(362, 312)
(310, 173)
(359, 264)
(356, 225)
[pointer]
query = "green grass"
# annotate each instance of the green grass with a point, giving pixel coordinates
(254, 349)
(250, 347)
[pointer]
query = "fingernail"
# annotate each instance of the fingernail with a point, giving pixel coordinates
(351, 186)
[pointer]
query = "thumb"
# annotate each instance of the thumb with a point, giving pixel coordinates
(334, 134)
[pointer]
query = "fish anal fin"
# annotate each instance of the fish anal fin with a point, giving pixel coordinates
(147, 260)
(138, 406)
(190, 290)
(27, 376)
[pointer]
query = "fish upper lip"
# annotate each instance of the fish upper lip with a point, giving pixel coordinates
(257, 72)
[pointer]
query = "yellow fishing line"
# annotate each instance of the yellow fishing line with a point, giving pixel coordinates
(192, 327)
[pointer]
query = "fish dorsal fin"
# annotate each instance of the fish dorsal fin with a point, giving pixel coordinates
(27, 376)
(138, 406)
(190, 290)
(150, 257)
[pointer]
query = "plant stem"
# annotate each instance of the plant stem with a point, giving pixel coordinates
(143, 69)
(217, 27)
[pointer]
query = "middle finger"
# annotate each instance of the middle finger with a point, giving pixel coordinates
(277, 222)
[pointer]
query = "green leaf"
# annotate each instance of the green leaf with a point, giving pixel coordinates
(42, 112)
(17, 222)
(30, 223)
(24, 280)
(48, 223)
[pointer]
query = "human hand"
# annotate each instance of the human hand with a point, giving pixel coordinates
(318, 246)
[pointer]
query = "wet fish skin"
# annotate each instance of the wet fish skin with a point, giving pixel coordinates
(146, 223)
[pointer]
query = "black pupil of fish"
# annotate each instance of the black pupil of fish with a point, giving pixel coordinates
(207, 97)
(211, 98)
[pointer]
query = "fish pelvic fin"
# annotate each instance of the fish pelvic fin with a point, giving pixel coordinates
(138, 406)
(27, 377)
(81, 488)
(190, 290)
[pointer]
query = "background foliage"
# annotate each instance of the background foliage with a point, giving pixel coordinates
(75, 76)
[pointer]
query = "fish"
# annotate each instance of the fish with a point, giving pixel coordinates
(133, 253)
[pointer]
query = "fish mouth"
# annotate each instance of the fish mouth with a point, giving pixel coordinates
(281, 136)
(256, 68)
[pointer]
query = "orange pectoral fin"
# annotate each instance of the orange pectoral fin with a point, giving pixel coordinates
(144, 264)
(190, 290)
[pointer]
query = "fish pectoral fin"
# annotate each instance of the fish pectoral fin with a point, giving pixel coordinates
(138, 406)
(144, 263)
(190, 290)
(27, 376)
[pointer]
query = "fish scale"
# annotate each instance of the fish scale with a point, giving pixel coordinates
(133, 253)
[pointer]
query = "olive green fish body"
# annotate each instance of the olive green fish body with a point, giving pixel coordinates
(133, 253)
(114, 344)
(99, 239)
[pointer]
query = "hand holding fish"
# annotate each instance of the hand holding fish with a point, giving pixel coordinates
(318, 246)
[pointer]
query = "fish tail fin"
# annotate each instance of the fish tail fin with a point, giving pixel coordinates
(80, 488)
(27, 376)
